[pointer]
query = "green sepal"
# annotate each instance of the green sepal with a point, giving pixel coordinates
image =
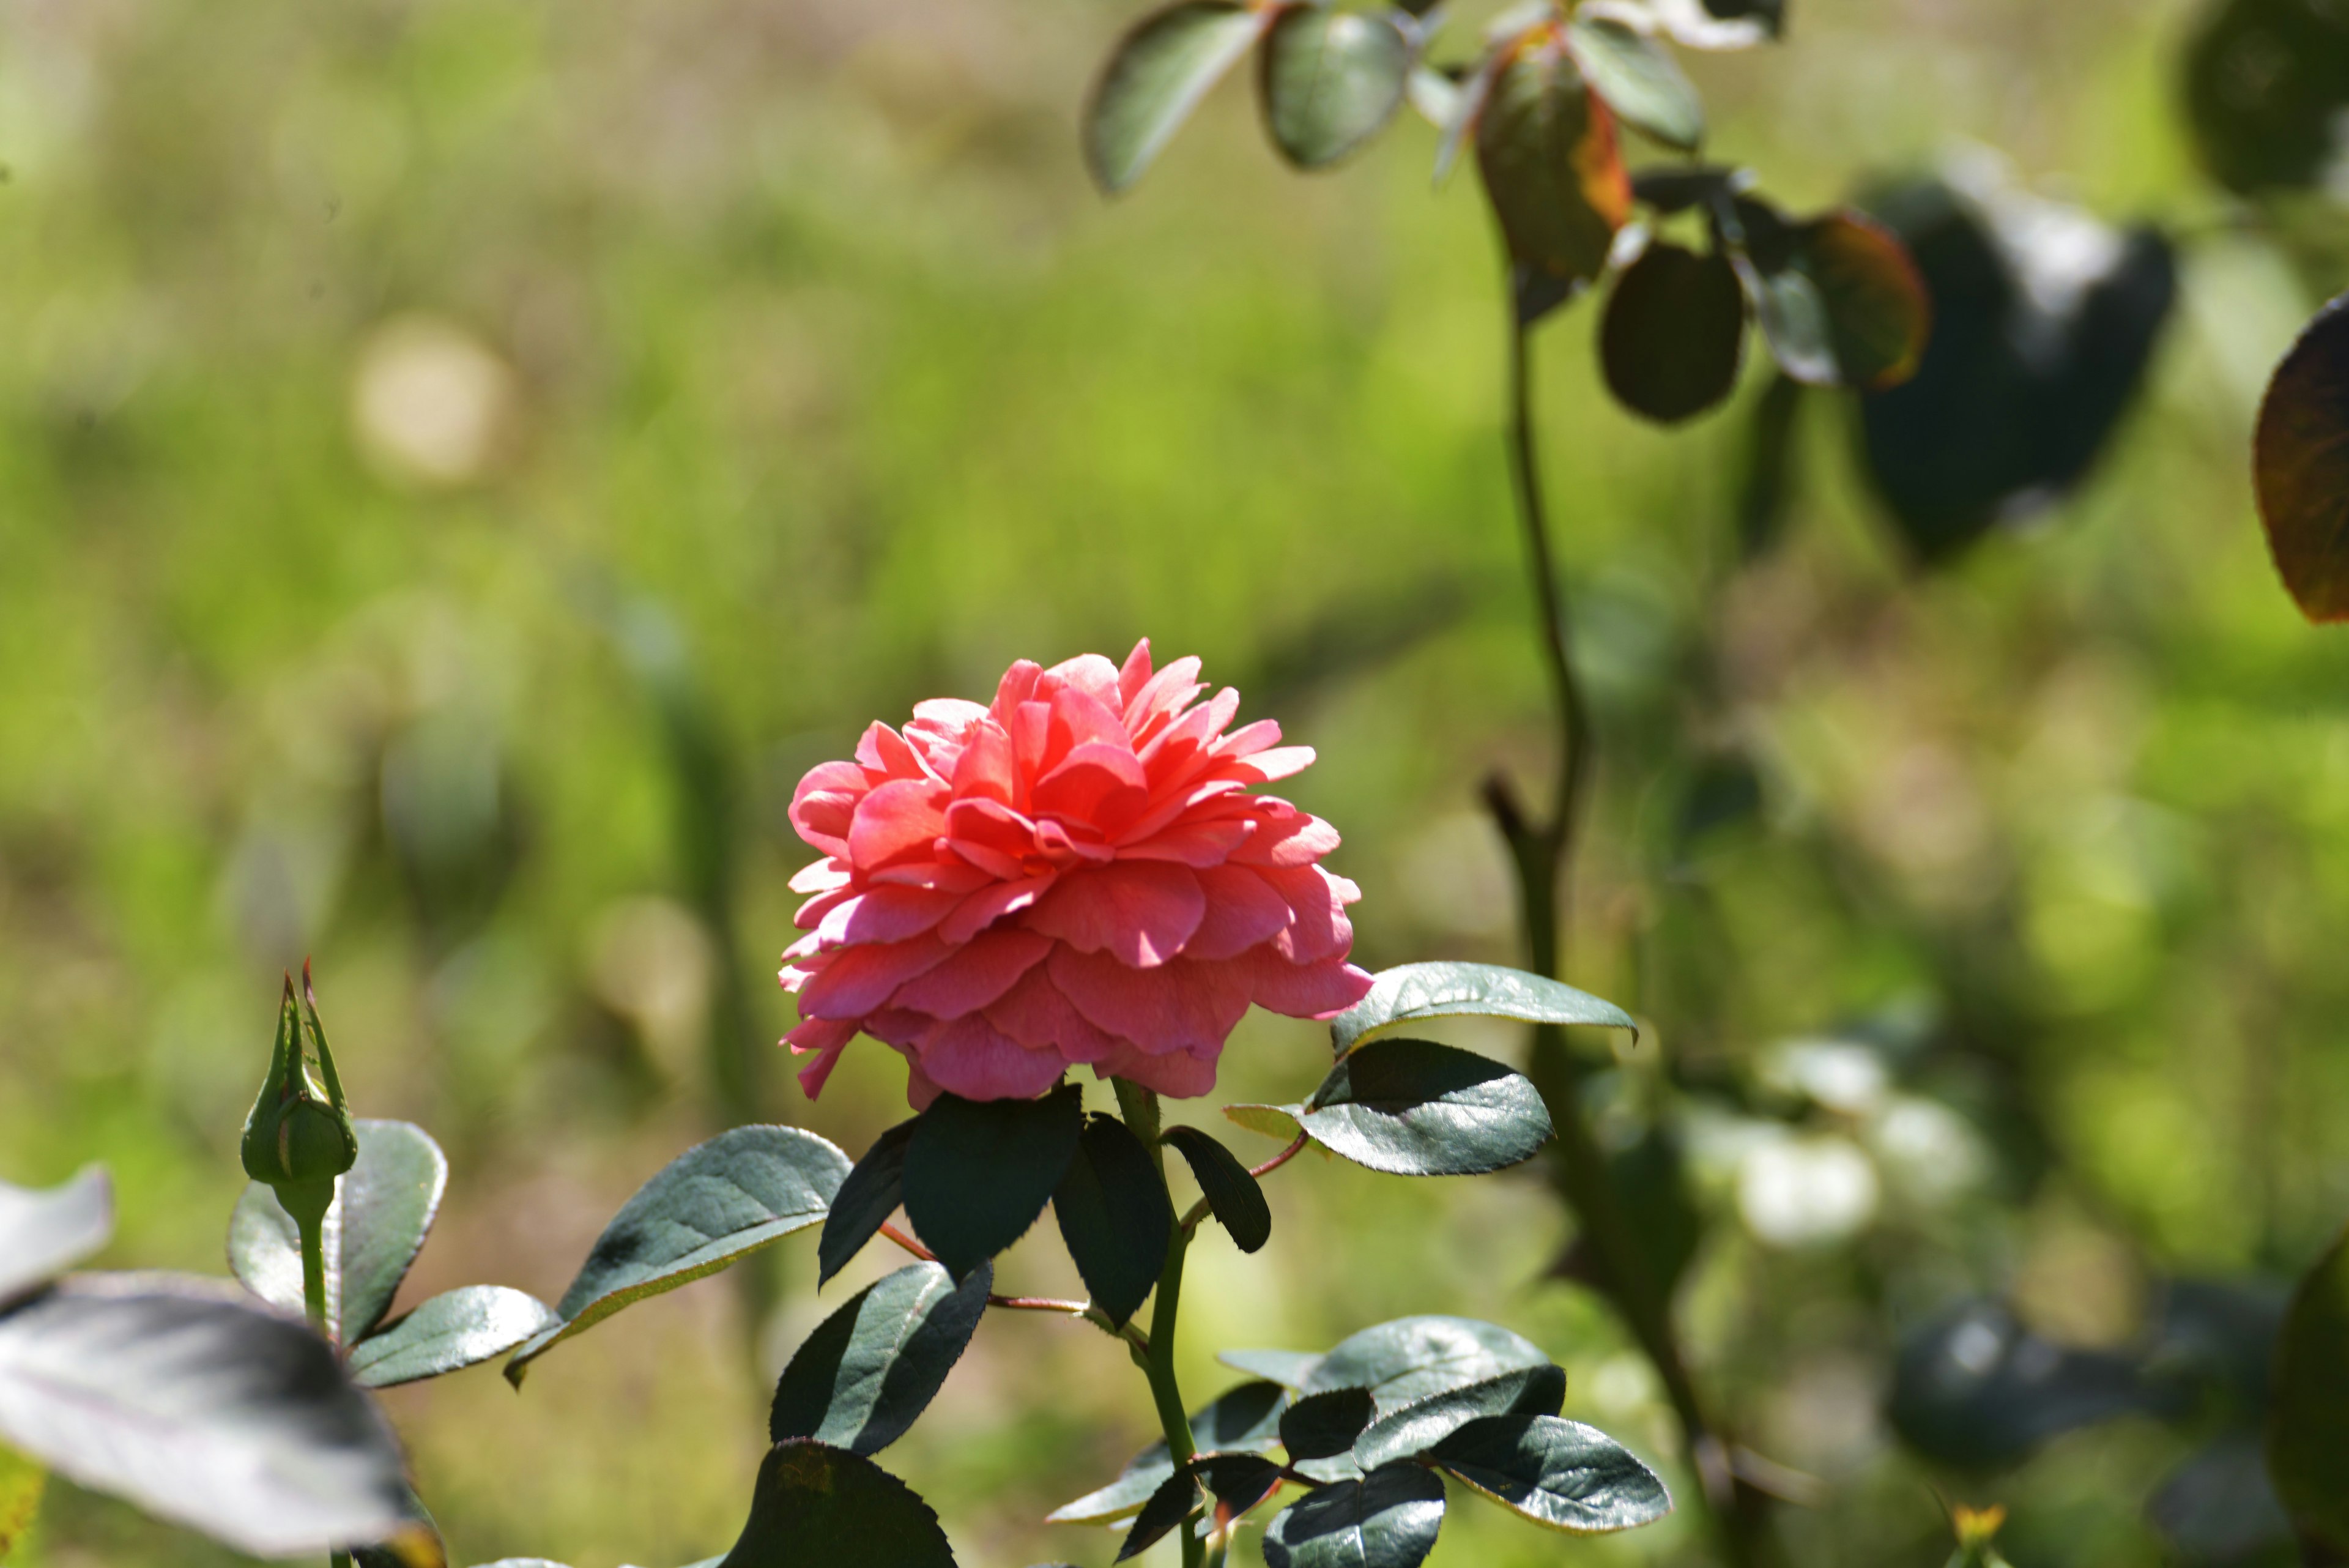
(298, 1133)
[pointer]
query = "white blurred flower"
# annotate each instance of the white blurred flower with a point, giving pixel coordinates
(1928, 1151)
(1835, 1074)
(1806, 1191)
(430, 406)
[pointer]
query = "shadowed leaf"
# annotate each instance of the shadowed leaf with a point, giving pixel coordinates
(865, 1200)
(2308, 1423)
(2266, 83)
(822, 1507)
(1169, 1507)
(979, 1172)
(1156, 77)
(1421, 1424)
(1331, 79)
(1232, 1194)
(1326, 1424)
(1552, 171)
(861, 1379)
(1114, 1217)
(1675, 333)
(1839, 300)
(1246, 1419)
(1290, 1368)
(1389, 1518)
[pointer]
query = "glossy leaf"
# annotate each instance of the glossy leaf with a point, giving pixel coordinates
(1233, 1195)
(1412, 1358)
(1321, 1425)
(1546, 148)
(45, 1233)
(2266, 84)
(1115, 1215)
(1331, 79)
(1272, 1121)
(384, 1209)
(979, 1172)
(1246, 1419)
(1638, 79)
(457, 1329)
(822, 1507)
(2308, 1424)
(1416, 991)
(1675, 333)
(861, 1379)
(1173, 1504)
(1156, 77)
(1412, 1107)
(1238, 1481)
(201, 1409)
(1974, 1388)
(712, 1205)
(865, 1200)
(1290, 1368)
(1557, 1473)
(1389, 1518)
(2301, 466)
(1417, 1427)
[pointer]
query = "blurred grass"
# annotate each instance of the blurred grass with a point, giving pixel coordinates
(797, 321)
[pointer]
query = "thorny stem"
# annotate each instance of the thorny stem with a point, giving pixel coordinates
(1543, 853)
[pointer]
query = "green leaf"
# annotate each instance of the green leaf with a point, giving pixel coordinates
(1412, 1358)
(2300, 466)
(1171, 1505)
(979, 1172)
(1412, 1107)
(201, 1409)
(1423, 1423)
(1321, 1425)
(1243, 1420)
(1638, 81)
(1156, 76)
(1766, 490)
(1389, 1518)
(1272, 1121)
(822, 1507)
(1331, 79)
(1557, 1473)
(865, 1200)
(1115, 1215)
(711, 1205)
(1417, 990)
(384, 1208)
(44, 1233)
(2266, 83)
(1675, 333)
(1238, 1481)
(1546, 148)
(861, 1379)
(457, 1329)
(21, 1484)
(2308, 1422)
(1232, 1194)
(1840, 302)
(1671, 188)
(1290, 1368)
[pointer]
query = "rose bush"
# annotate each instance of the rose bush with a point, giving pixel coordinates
(1081, 872)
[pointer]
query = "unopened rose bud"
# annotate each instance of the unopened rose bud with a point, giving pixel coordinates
(298, 1134)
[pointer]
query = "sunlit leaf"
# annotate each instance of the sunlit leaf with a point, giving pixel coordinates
(861, 1379)
(1413, 992)
(1331, 79)
(1412, 1358)
(384, 1209)
(1389, 1518)
(44, 1233)
(2300, 465)
(1557, 1473)
(1638, 81)
(457, 1329)
(712, 1205)
(1273, 1121)
(1546, 147)
(1675, 333)
(1412, 1107)
(1419, 1425)
(2266, 82)
(980, 1172)
(1156, 76)
(2308, 1422)
(1232, 1194)
(201, 1409)
(822, 1507)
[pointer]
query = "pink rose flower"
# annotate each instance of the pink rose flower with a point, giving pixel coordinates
(1081, 872)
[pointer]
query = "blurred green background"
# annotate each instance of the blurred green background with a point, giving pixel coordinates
(461, 461)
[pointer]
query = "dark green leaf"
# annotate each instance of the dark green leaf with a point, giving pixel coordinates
(1638, 81)
(1412, 1107)
(1556, 180)
(1675, 333)
(457, 1329)
(1169, 1507)
(860, 1380)
(1389, 1518)
(865, 1200)
(2300, 465)
(44, 1233)
(2266, 84)
(1238, 1481)
(1156, 76)
(1765, 490)
(1115, 1215)
(1331, 79)
(979, 1172)
(1239, 1421)
(1412, 1358)
(710, 1207)
(1671, 188)
(1417, 990)
(822, 1507)
(1421, 1424)
(1557, 1473)
(1321, 1425)
(2308, 1424)
(1974, 1388)
(384, 1208)
(202, 1408)
(1290, 1368)
(1232, 1194)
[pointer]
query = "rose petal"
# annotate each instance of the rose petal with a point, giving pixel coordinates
(1178, 1074)
(1318, 991)
(970, 1057)
(1194, 844)
(825, 803)
(857, 980)
(899, 821)
(1142, 912)
(1134, 674)
(1243, 910)
(982, 908)
(884, 913)
(1288, 838)
(823, 1039)
(1179, 1006)
(1035, 1013)
(1099, 781)
(977, 974)
(1320, 929)
(820, 876)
